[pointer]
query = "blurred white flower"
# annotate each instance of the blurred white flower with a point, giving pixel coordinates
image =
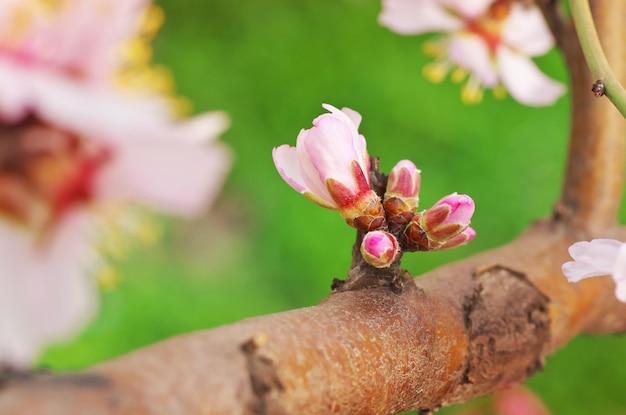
(597, 258)
(489, 42)
(85, 124)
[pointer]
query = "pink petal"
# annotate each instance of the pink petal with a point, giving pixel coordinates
(313, 180)
(404, 180)
(472, 53)
(620, 291)
(330, 148)
(13, 98)
(379, 248)
(524, 81)
(518, 401)
(174, 176)
(526, 31)
(204, 128)
(286, 161)
(412, 17)
(468, 9)
(591, 259)
(46, 293)
(619, 274)
(81, 36)
(354, 116)
(352, 120)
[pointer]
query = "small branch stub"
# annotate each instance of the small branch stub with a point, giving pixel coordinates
(598, 88)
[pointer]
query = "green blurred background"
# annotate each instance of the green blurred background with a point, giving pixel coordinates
(263, 248)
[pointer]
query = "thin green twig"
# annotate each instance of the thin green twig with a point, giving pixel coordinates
(598, 65)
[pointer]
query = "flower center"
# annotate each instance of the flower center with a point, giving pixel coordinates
(45, 172)
(489, 25)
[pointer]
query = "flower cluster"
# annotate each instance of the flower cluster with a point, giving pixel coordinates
(85, 129)
(597, 258)
(330, 166)
(488, 42)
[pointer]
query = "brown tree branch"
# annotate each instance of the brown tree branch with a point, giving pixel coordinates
(594, 176)
(463, 330)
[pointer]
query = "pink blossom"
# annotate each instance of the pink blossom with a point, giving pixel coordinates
(46, 295)
(380, 249)
(330, 166)
(52, 37)
(76, 143)
(597, 258)
(489, 41)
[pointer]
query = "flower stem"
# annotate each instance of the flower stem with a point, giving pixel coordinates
(594, 55)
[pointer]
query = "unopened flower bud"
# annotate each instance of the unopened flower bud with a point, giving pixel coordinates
(380, 248)
(404, 183)
(402, 193)
(447, 218)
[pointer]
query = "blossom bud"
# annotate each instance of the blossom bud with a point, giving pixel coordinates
(461, 239)
(402, 194)
(447, 218)
(380, 248)
(404, 183)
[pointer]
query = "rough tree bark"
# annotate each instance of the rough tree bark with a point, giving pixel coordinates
(393, 343)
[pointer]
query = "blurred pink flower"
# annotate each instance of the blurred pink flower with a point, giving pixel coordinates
(76, 138)
(492, 40)
(597, 258)
(330, 166)
(517, 400)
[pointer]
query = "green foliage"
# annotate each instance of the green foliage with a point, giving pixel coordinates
(263, 248)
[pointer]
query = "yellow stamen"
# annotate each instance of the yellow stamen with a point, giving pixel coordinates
(434, 49)
(152, 21)
(107, 278)
(138, 73)
(499, 92)
(50, 5)
(121, 225)
(471, 93)
(458, 75)
(436, 71)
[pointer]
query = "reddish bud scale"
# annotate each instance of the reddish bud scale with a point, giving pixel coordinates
(367, 223)
(436, 216)
(398, 212)
(445, 232)
(366, 213)
(414, 238)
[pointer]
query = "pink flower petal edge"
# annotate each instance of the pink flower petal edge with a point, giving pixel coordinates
(598, 257)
